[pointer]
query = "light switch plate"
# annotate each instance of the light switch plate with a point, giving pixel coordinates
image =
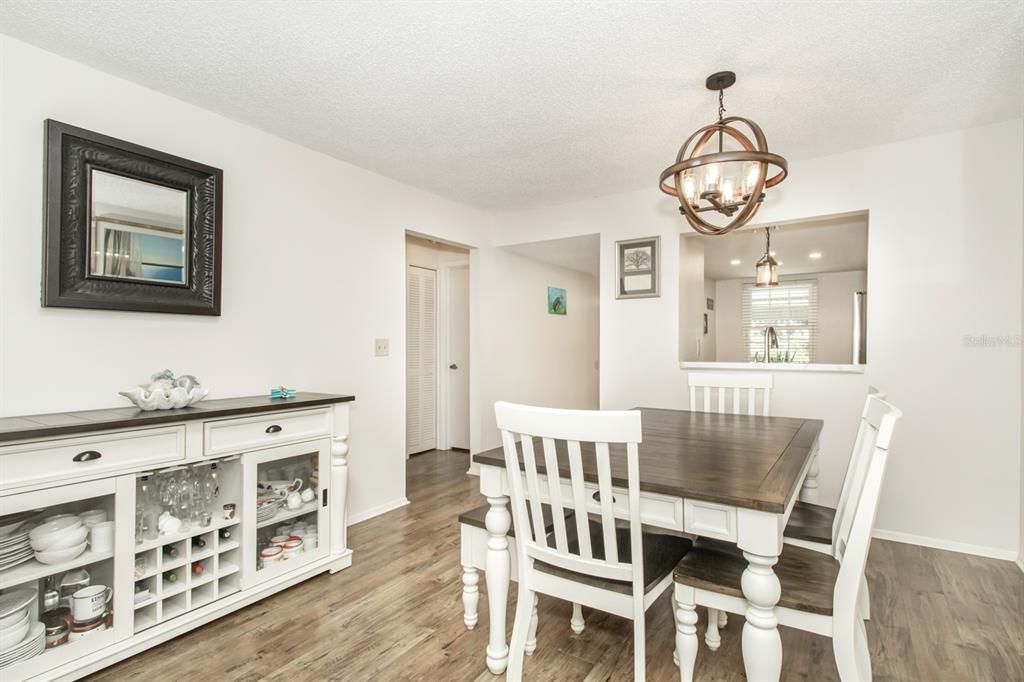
(380, 348)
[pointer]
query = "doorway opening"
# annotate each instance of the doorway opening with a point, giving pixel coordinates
(436, 346)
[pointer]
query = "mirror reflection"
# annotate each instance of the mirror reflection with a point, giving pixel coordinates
(813, 312)
(138, 229)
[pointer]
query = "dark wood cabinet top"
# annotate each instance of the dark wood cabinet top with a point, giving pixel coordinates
(746, 461)
(37, 426)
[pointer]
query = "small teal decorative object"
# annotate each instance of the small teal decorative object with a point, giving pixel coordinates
(282, 393)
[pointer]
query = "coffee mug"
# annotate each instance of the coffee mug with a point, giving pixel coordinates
(294, 500)
(307, 495)
(90, 602)
(229, 511)
(101, 537)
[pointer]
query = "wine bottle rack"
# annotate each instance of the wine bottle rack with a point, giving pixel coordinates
(220, 559)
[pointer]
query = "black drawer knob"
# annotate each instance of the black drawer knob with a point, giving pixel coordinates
(87, 456)
(273, 428)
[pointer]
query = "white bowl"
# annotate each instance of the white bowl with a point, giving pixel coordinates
(13, 635)
(51, 528)
(59, 556)
(12, 618)
(145, 399)
(64, 539)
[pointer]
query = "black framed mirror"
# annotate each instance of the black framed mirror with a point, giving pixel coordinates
(129, 228)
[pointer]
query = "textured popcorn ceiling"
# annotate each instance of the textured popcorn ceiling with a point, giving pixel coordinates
(515, 104)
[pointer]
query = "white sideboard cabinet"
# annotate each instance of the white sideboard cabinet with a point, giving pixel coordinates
(208, 509)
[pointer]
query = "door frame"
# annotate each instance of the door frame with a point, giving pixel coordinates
(443, 406)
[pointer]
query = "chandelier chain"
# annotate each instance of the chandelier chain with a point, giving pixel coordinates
(721, 105)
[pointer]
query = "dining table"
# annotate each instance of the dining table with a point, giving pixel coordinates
(732, 477)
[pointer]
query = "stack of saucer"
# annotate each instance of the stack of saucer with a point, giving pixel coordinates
(266, 508)
(32, 645)
(20, 636)
(15, 545)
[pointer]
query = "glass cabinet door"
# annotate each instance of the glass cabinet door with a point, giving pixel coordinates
(57, 576)
(286, 493)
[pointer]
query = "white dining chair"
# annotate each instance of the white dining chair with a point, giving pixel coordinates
(816, 526)
(725, 394)
(598, 563)
(819, 592)
(729, 391)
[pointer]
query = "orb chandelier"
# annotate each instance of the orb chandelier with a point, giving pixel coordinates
(730, 181)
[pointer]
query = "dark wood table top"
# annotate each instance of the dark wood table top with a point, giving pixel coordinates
(68, 423)
(746, 461)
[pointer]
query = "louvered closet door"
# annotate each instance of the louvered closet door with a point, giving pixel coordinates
(420, 360)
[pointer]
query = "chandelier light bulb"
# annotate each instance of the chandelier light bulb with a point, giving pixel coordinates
(727, 191)
(690, 187)
(711, 177)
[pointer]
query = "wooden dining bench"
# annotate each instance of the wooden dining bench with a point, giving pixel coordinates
(474, 555)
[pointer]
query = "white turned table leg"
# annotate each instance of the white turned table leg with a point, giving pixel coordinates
(809, 491)
(498, 575)
(762, 646)
(576, 622)
(531, 634)
(470, 596)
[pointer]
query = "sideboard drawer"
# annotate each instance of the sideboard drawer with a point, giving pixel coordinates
(234, 435)
(74, 457)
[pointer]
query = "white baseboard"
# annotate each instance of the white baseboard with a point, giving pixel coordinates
(474, 469)
(1020, 560)
(936, 543)
(377, 511)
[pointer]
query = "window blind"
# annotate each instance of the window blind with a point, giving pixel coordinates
(792, 308)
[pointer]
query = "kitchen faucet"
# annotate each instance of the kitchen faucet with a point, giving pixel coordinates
(771, 340)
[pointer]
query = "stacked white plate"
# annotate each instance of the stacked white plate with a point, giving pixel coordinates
(20, 637)
(14, 540)
(60, 539)
(266, 508)
(33, 645)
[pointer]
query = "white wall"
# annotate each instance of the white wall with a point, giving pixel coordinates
(945, 254)
(710, 347)
(313, 265)
(691, 299)
(528, 355)
(835, 316)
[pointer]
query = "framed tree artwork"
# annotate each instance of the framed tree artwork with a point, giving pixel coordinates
(129, 228)
(638, 266)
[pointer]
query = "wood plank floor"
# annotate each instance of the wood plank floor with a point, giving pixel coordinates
(396, 614)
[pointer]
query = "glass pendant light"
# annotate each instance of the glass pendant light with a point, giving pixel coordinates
(767, 268)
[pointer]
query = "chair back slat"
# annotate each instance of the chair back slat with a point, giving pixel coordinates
(852, 548)
(536, 529)
(579, 498)
(856, 470)
(563, 434)
(731, 401)
(606, 499)
(555, 494)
